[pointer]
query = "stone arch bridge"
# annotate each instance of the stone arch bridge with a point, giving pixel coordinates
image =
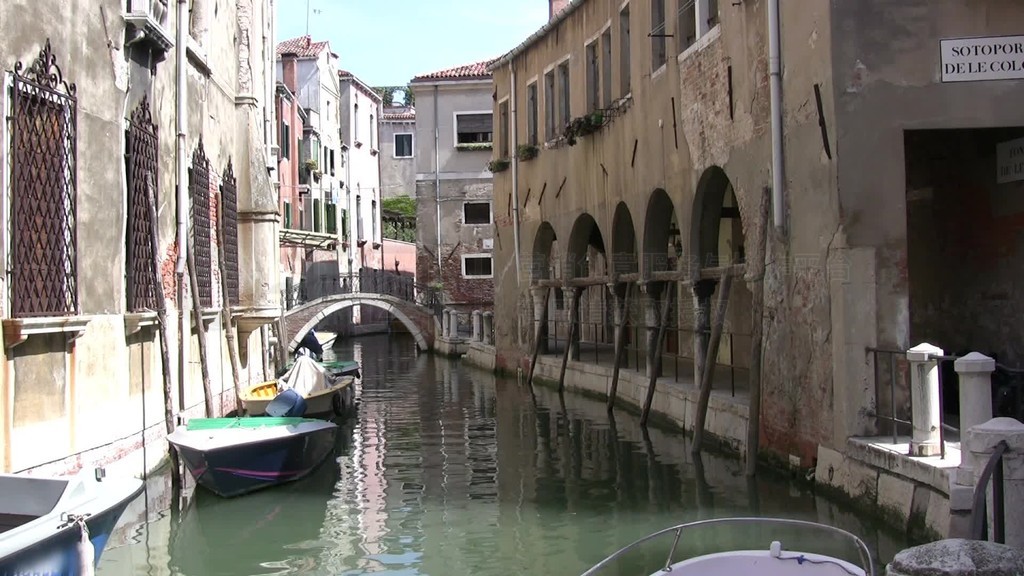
(419, 320)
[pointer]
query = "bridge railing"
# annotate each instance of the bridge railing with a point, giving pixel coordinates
(366, 281)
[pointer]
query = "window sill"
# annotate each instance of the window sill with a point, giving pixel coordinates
(474, 147)
(197, 56)
(700, 43)
(18, 330)
(208, 316)
(135, 321)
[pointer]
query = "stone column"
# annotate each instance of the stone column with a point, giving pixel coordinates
(540, 316)
(702, 292)
(477, 319)
(488, 327)
(957, 558)
(651, 317)
(975, 372)
(924, 396)
(572, 301)
(983, 440)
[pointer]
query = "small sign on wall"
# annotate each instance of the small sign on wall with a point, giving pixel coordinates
(980, 59)
(1010, 161)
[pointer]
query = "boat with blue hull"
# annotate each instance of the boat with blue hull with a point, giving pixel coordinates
(235, 456)
(53, 526)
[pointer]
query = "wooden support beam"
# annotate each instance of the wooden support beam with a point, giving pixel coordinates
(620, 346)
(656, 357)
(229, 323)
(536, 338)
(197, 316)
(707, 377)
(573, 327)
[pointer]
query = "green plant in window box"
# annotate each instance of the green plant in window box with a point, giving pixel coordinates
(583, 126)
(311, 166)
(471, 146)
(527, 152)
(498, 165)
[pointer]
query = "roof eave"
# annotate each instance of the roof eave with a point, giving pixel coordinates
(533, 38)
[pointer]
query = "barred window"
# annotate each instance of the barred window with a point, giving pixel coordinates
(199, 193)
(141, 169)
(229, 221)
(43, 125)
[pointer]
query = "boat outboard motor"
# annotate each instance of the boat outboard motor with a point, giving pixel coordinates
(288, 403)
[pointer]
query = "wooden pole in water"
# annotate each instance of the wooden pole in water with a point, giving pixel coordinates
(709, 364)
(536, 336)
(756, 282)
(161, 320)
(226, 318)
(573, 314)
(197, 315)
(620, 346)
(656, 366)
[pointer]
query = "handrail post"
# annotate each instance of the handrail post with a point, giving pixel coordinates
(984, 440)
(924, 399)
(975, 374)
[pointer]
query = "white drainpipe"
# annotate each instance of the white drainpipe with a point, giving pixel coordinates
(437, 181)
(181, 94)
(513, 122)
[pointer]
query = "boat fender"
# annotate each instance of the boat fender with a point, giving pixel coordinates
(776, 549)
(86, 552)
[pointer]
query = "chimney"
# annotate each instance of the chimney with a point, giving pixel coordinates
(290, 72)
(556, 6)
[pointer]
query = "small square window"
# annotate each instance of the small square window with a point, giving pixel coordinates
(477, 266)
(403, 145)
(476, 213)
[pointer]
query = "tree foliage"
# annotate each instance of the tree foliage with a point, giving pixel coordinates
(398, 218)
(387, 94)
(401, 205)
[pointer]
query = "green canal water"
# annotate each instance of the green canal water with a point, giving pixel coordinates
(446, 470)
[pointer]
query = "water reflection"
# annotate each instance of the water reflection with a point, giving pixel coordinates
(449, 470)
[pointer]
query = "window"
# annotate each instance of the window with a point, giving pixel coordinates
(43, 214)
(686, 25)
(531, 114)
(229, 225)
(593, 79)
(355, 124)
(142, 157)
(565, 99)
(331, 218)
(316, 215)
(287, 214)
(624, 55)
(331, 163)
(403, 145)
(506, 136)
(477, 266)
(476, 213)
(712, 13)
(606, 68)
(197, 20)
(199, 193)
(372, 126)
(474, 128)
(286, 141)
(359, 217)
(549, 105)
(658, 56)
(373, 217)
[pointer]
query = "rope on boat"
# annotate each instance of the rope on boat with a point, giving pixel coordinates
(86, 552)
(801, 559)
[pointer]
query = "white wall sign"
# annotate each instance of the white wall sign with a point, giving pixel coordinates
(1010, 161)
(978, 59)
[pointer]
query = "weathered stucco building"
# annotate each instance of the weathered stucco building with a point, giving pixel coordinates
(85, 85)
(454, 210)
(889, 199)
(398, 151)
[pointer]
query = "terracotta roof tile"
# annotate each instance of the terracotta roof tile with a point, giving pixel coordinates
(399, 113)
(473, 71)
(303, 47)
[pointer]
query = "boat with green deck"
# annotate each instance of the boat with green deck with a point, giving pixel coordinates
(234, 456)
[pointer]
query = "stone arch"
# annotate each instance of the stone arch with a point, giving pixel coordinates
(585, 234)
(540, 262)
(414, 329)
(662, 241)
(623, 256)
(713, 244)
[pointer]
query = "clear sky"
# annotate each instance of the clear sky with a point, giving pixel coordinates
(388, 42)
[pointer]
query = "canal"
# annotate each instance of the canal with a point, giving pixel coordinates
(447, 470)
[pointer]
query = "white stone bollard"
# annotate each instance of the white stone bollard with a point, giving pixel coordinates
(924, 397)
(489, 328)
(446, 323)
(975, 373)
(983, 440)
(477, 325)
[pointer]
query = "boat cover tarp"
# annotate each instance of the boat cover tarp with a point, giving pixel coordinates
(306, 376)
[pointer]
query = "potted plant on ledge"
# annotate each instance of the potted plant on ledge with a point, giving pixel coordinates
(314, 169)
(498, 165)
(526, 152)
(583, 126)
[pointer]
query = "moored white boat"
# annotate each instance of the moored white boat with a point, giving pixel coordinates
(59, 525)
(772, 560)
(324, 392)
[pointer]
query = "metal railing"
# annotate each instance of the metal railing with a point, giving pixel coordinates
(676, 532)
(366, 281)
(979, 514)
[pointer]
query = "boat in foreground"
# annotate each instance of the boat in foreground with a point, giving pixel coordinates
(772, 560)
(234, 456)
(44, 521)
(323, 390)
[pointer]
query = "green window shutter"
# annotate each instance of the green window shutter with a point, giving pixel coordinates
(287, 214)
(344, 224)
(316, 215)
(331, 215)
